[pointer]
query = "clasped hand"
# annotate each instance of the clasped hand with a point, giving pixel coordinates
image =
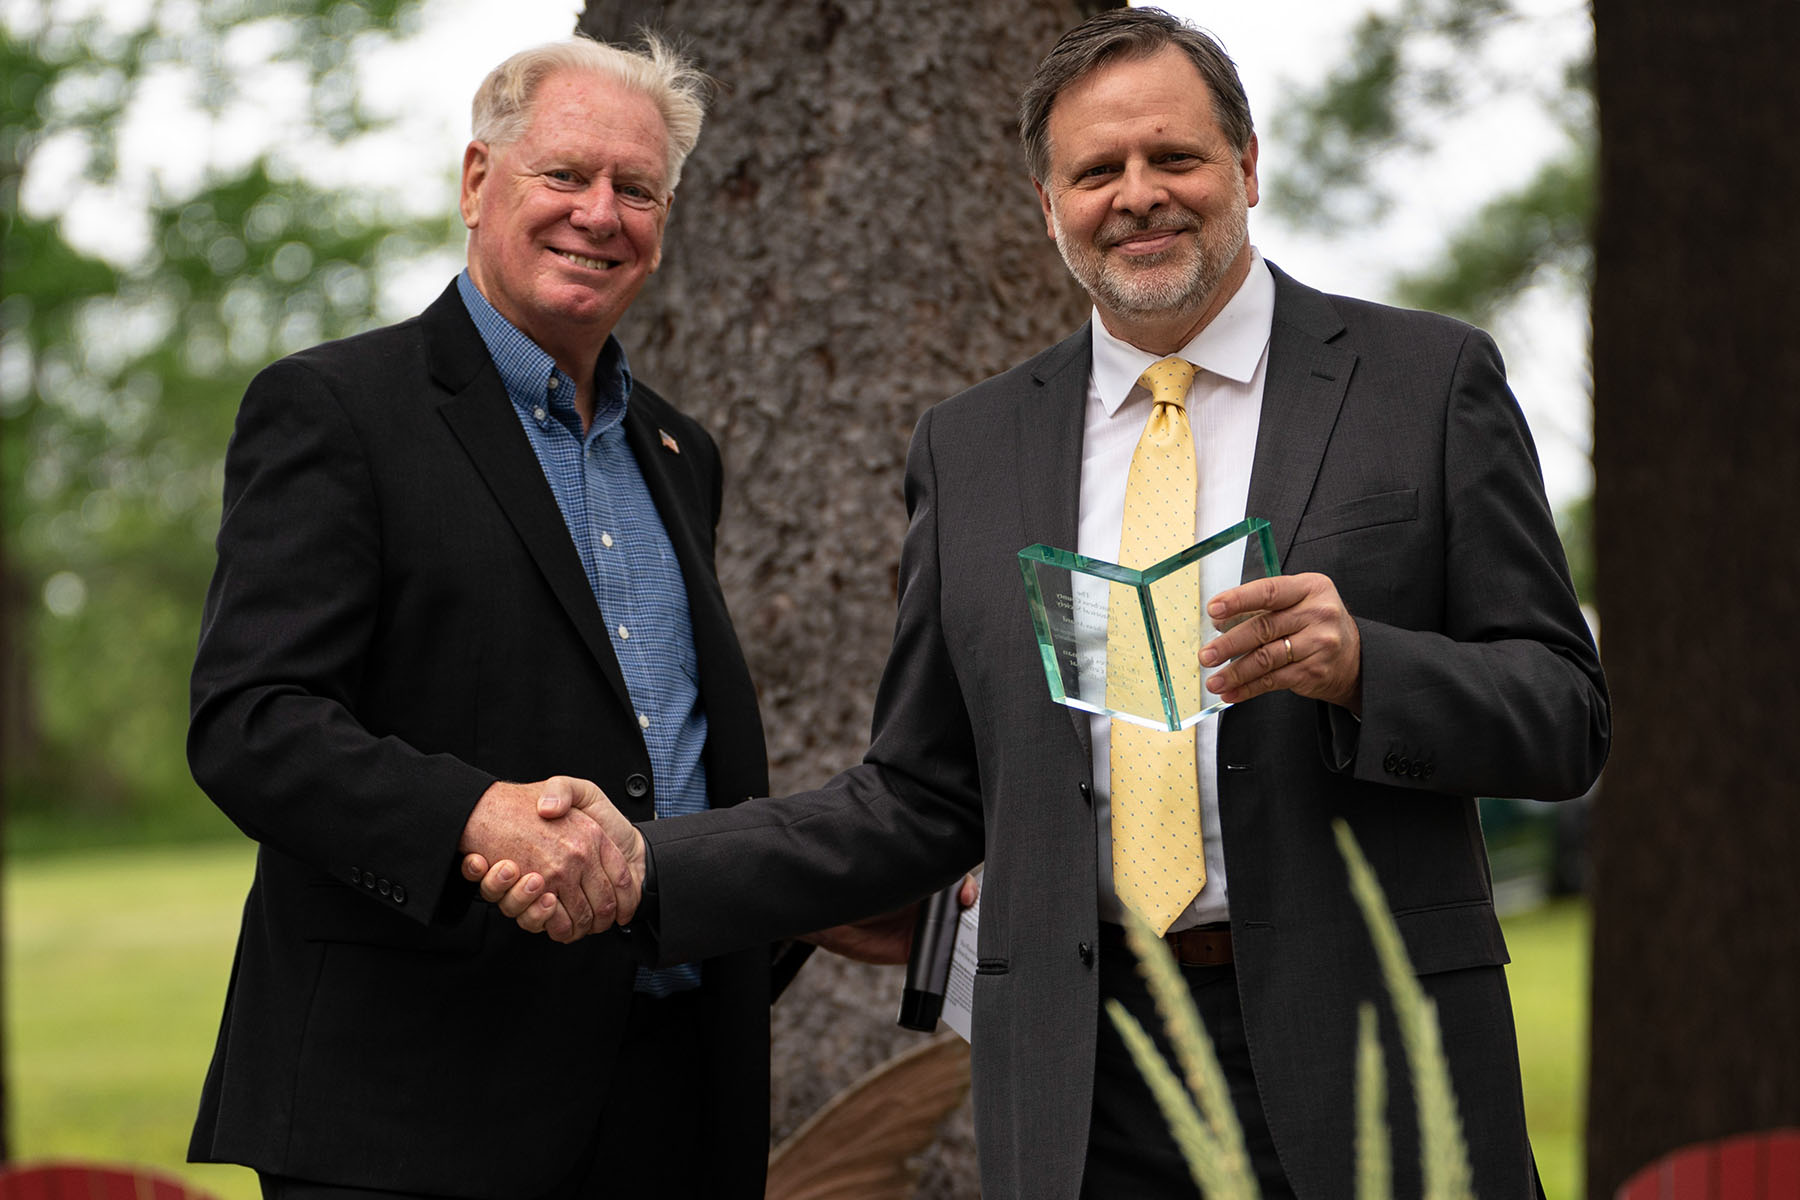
(567, 810)
(555, 856)
(1291, 632)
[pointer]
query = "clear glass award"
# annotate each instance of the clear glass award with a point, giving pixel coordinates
(1126, 642)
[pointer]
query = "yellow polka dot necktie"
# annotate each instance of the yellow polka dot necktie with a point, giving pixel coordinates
(1158, 863)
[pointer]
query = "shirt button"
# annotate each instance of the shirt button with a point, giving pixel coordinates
(606, 540)
(554, 382)
(643, 721)
(624, 634)
(539, 413)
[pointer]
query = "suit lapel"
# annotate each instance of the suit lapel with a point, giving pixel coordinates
(1049, 434)
(1302, 392)
(736, 756)
(482, 418)
(687, 521)
(1049, 419)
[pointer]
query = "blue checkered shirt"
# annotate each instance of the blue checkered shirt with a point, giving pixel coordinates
(625, 551)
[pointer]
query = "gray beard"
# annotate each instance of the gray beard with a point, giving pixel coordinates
(1140, 290)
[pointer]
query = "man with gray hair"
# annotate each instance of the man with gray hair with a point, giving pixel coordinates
(458, 554)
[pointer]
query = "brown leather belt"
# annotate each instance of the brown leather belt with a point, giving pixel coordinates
(1201, 946)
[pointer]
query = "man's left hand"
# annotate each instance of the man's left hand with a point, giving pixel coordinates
(885, 939)
(1294, 634)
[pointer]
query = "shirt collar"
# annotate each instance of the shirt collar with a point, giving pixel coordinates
(1230, 345)
(540, 389)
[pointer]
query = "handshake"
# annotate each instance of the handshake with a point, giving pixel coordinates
(555, 856)
(559, 859)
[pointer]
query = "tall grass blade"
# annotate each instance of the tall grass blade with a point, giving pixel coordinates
(1216, 1176)
(1443, 1154)
(1374, 1157)
(1193, 1048)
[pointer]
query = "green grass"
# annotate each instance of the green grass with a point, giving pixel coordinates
(1549, 981)
(116, 964)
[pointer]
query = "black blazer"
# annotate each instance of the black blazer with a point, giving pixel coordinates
(1390, 456)
(399, 618)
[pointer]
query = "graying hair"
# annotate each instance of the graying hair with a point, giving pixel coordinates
(501, 111)
(1128, 33)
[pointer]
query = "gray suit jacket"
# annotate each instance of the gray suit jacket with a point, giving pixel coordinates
(1391, 457)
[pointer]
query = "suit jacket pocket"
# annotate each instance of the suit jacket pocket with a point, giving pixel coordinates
(1449, 937)
(334, 912)
(1383, 508)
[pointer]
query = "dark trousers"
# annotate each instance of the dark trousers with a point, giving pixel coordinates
(1131, 1152)
(648, 1140)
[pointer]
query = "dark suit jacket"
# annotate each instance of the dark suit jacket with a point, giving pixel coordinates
(399, 618)
(1391, 457)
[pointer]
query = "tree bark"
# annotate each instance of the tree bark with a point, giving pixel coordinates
(1696, 838)
(855, 239)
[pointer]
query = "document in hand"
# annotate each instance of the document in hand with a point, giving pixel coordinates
(959, 991)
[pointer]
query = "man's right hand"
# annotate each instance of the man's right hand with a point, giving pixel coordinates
(530, 897)
(563, 867)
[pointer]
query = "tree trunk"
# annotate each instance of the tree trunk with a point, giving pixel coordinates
(1696, 992)
(855, 239)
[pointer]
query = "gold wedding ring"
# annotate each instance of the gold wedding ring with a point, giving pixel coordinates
(1290, 650)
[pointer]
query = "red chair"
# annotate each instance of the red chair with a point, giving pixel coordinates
(91, 1181)
(1752, 1166)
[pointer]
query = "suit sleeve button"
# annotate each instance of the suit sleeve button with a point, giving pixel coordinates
(355, 875)
(637, 786)
(381, 885)
(398, 895)
(1391, 763)
(1086, 952)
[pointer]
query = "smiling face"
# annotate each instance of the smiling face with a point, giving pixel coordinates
(566, 223)
(1147, 199)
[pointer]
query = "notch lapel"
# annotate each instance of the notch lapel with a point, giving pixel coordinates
(482, 418)
(1048, 434)
(1302, 393)
(668, 470)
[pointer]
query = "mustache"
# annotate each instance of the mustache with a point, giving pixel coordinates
(1117, 229)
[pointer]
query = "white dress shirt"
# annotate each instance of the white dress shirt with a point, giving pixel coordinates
(1224, 408)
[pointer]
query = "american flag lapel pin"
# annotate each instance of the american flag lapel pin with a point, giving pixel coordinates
(669, 442)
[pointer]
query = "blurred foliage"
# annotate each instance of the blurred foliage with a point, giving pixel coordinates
(1543, 226)
(1576, 525)
(1410, 73)
(119, 380)
(1412, 70)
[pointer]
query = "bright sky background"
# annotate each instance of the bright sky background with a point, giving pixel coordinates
(426, 83)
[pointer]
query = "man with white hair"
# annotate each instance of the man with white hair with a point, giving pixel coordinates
(460, 551)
